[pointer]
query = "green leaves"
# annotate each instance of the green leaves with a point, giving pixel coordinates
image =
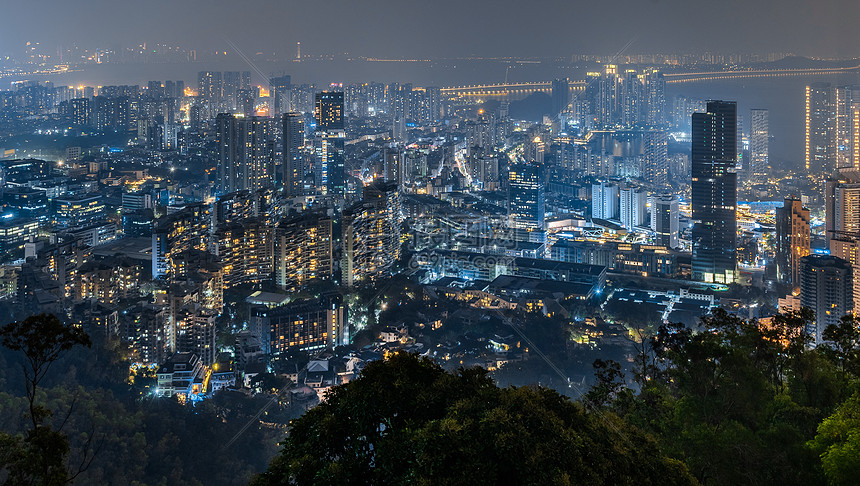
(405, 420)
(838, 443)
(738, 401)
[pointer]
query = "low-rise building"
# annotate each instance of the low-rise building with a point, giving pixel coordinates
(181, 374)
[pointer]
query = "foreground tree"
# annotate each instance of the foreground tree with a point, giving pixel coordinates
(838, 443)
(405, 420)
(738, 400)
(39, 456)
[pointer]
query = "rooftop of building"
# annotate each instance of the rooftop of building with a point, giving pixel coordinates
(541, 264)
(536, 286)
(269, 299)
(134, 248)
(79, 197)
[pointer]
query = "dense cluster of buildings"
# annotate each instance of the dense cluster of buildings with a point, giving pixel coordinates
(274, 202)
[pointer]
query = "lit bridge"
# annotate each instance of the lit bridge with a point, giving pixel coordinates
(753, 73)
(522, 90)
(505, 90)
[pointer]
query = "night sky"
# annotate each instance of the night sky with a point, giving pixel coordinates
(444, 28)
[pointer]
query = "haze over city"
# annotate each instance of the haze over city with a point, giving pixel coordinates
(446, 28)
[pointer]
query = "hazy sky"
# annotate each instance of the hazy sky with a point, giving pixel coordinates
(444, 28)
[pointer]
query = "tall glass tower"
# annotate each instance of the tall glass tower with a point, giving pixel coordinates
(525, 197)
(714, 193)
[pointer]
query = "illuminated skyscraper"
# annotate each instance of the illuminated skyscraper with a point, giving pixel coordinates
(232, 83)
(185, 230)
(329, 171)
(842, 210)
(607, 107)
(526, 197)
(245, 250)
(714, 193)
(80, 111)
(757, 170)
(792, 239)
(633, 106)
(847, 109)
(328, 111)
(307, 325)
(293, 162)
(842, 206)
(303, 250)
(654, 92)
(820, 129)
(371, 234)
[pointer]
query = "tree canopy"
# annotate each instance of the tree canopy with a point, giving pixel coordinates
(406, 420)
(742, 401)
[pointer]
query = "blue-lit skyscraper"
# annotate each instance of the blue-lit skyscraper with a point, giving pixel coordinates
(525, 197)
(329, 171)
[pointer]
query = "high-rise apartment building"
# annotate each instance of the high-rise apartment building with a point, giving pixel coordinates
(654, 92)
(245, 250)
(820, 129)
(303, 250)
(826, 289)
(656, 156)
(329, 162)
(633, 203)
(605, 201)
(842, 210)
(293, 154)
(845, 130)
(307, 325)
(792, 239)
(181, 231)
(192, 329)
(665, 220)
(80, 111)
(371, 234)
(210, 90)
(245, 155)
(714, 193)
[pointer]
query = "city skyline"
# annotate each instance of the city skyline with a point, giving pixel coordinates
(283, 224)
